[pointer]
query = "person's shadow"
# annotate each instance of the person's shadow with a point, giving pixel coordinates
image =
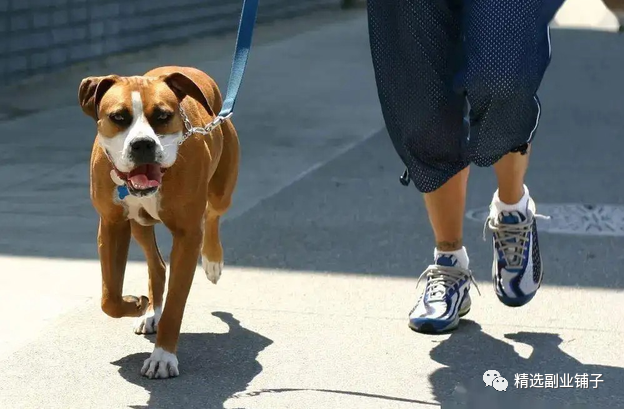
(469, 352)
(213, 368)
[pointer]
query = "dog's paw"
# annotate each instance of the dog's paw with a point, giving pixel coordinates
(213, 269)
(148, 322)
(160, 365)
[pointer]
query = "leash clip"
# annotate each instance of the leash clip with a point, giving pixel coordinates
(190, 129)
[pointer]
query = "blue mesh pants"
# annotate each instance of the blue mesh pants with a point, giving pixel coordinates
(457, 79)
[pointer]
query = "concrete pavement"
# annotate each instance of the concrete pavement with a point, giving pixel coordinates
(323, 247)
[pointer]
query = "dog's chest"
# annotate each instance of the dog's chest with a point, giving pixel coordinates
(144, 210)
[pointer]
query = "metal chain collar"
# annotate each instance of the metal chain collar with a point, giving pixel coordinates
(190, 129)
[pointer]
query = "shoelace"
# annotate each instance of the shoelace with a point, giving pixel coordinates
(511, 238)
(442, 278)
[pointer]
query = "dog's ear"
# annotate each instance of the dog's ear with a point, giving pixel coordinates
(183, 86)
(91, 91)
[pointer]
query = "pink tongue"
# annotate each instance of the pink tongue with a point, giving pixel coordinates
(141, 182)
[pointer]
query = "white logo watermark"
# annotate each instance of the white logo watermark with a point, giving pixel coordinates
(495, 380)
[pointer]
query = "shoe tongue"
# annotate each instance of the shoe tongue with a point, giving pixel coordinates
(447, 260)
(513, 217)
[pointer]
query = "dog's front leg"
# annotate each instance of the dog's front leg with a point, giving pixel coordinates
(184, 255)
(113, 244)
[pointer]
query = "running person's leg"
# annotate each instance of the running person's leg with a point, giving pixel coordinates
(416, 48)
(508, 51)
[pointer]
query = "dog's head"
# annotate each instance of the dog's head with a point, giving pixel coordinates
(139, 123)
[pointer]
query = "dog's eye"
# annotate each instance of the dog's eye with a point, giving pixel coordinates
(121, 118)
(162, 116)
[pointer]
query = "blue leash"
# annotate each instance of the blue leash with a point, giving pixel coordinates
(241, 55)
(239, 63)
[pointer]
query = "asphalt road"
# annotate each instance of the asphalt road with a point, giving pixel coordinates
(323, 245)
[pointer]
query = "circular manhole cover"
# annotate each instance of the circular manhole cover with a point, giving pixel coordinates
(583, 219)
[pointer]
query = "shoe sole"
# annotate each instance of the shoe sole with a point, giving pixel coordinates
(515, 302)
(427, 327)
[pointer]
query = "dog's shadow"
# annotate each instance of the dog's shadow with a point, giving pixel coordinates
(213, 367)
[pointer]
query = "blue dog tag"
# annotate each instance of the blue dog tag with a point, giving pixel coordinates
(122, 191)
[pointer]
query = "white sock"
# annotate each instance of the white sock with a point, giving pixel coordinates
(461, 255)
(498, 206)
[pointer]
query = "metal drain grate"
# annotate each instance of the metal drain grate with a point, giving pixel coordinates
(581, 219)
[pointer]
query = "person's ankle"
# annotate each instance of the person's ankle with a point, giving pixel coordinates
(511, 196)
(460, 255)
(499, 205)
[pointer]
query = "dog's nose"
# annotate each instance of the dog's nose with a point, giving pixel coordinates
(143, 145)
(143, 151)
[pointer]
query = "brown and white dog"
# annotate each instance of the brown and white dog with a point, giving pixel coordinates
(187, 187)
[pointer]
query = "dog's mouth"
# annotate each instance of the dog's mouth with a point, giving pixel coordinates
(144, 178)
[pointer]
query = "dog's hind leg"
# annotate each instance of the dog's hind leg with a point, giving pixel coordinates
(221, 189)
(146, 237)
(113, 244)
